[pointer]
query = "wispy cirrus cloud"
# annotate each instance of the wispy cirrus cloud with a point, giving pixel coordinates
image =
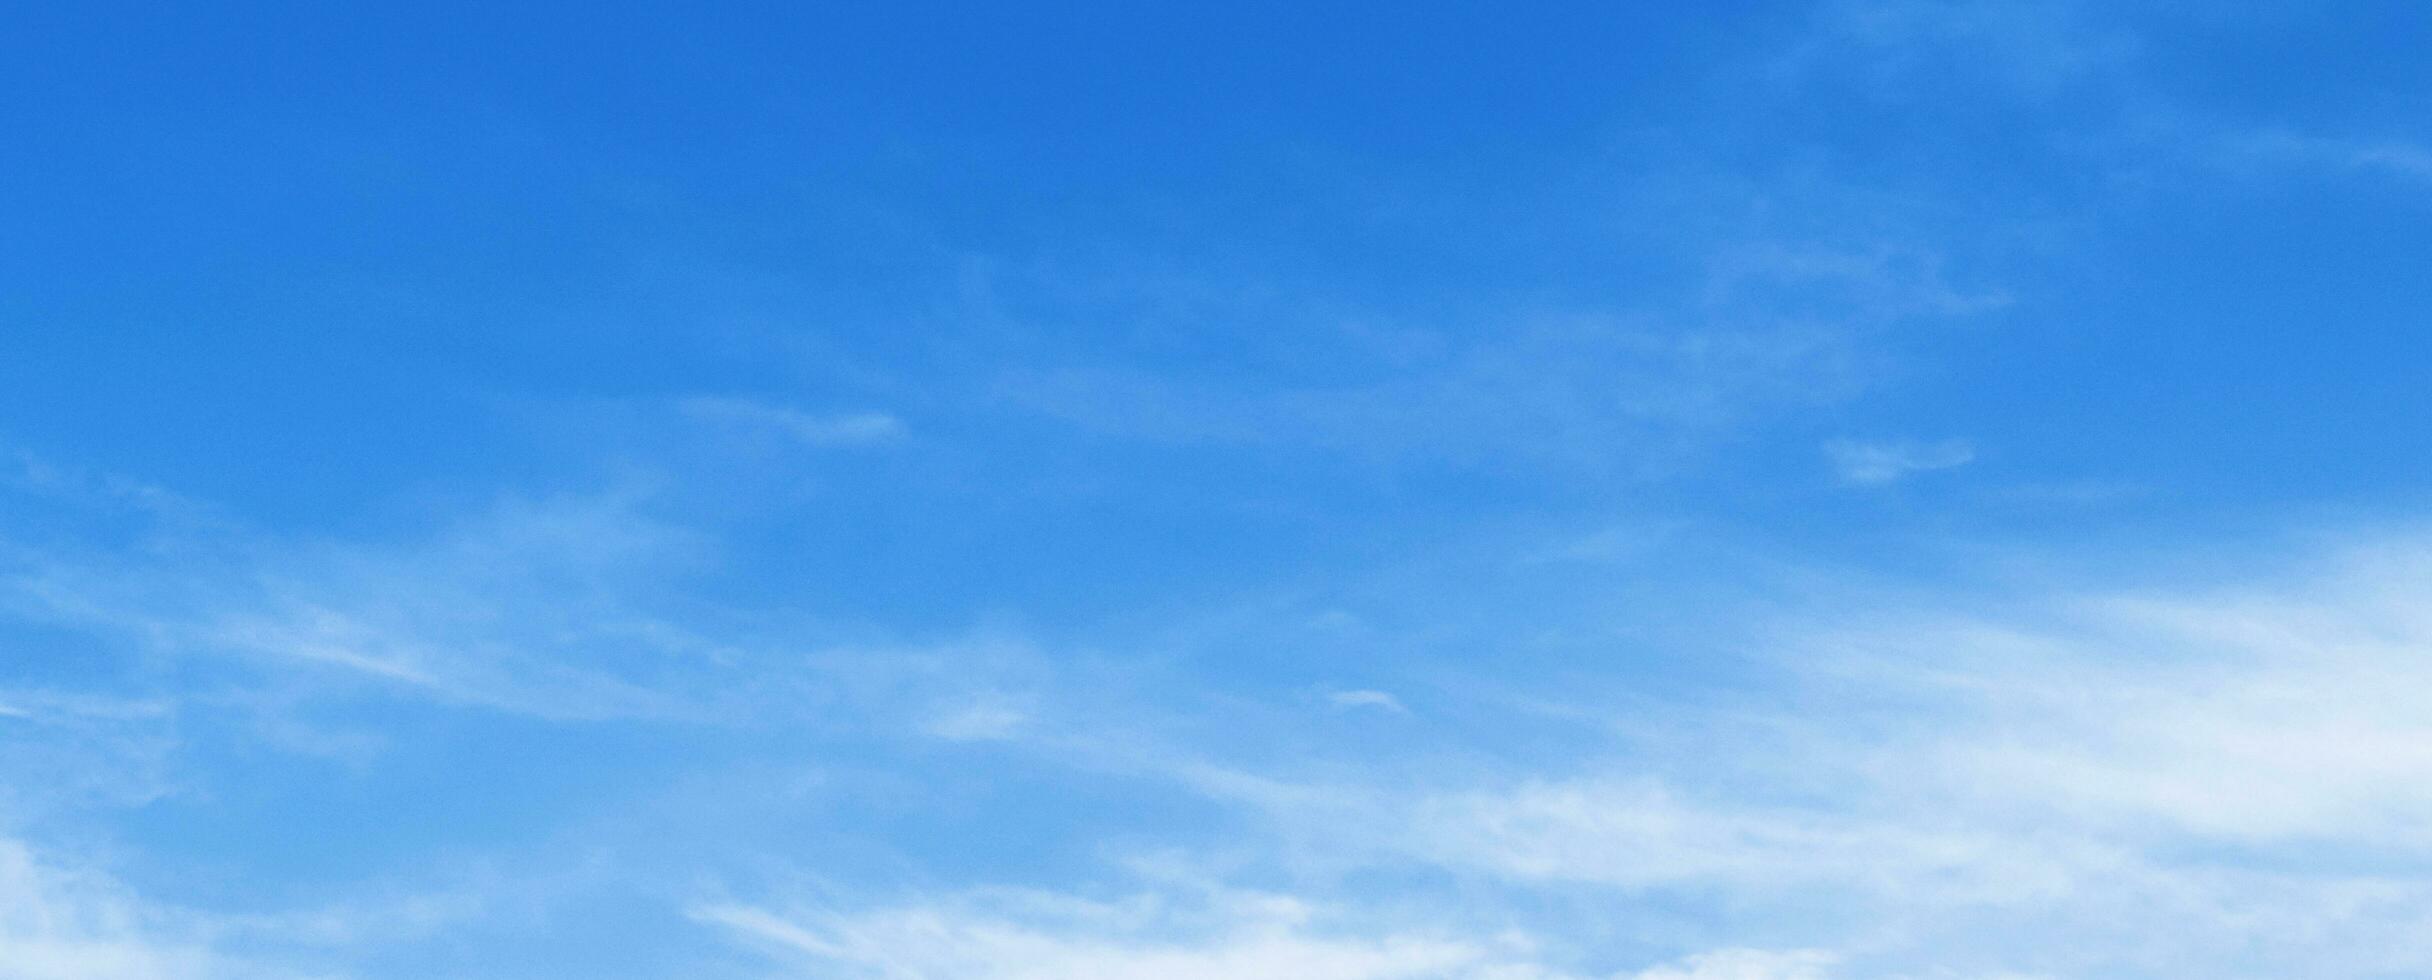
(2072, 779)
(860, 428)
(1216, 934)
(1872, 464)
(2033, 48)
(2076, 758)
(1040, 936)
(1362, 698)
(2387, 156)
(1577, 392)
(62, 920)
(527, 608)
(58, 923)
(1745, 964)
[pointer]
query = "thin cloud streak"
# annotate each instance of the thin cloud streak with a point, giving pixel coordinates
(1874, 464)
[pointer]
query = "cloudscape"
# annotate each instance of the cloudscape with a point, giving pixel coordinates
(1807, 490)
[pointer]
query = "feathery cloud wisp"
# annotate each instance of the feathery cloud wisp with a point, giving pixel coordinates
(1872, 464)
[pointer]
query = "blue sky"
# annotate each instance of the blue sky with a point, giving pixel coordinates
(1769, 491)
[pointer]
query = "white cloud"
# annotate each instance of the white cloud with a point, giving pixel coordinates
(2388, 157)
(59, 921)
(1878, 463)
(2071, 781)
(1367, 699)
(1182, 930)
(1641, 834)
(56, 924)
(1783, 321)
(1040, 936)
(1745, 964)
(2032, 48)
(985, 719)
(63, 752)
(534, 606)
(1584, 390)
(846, 429)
